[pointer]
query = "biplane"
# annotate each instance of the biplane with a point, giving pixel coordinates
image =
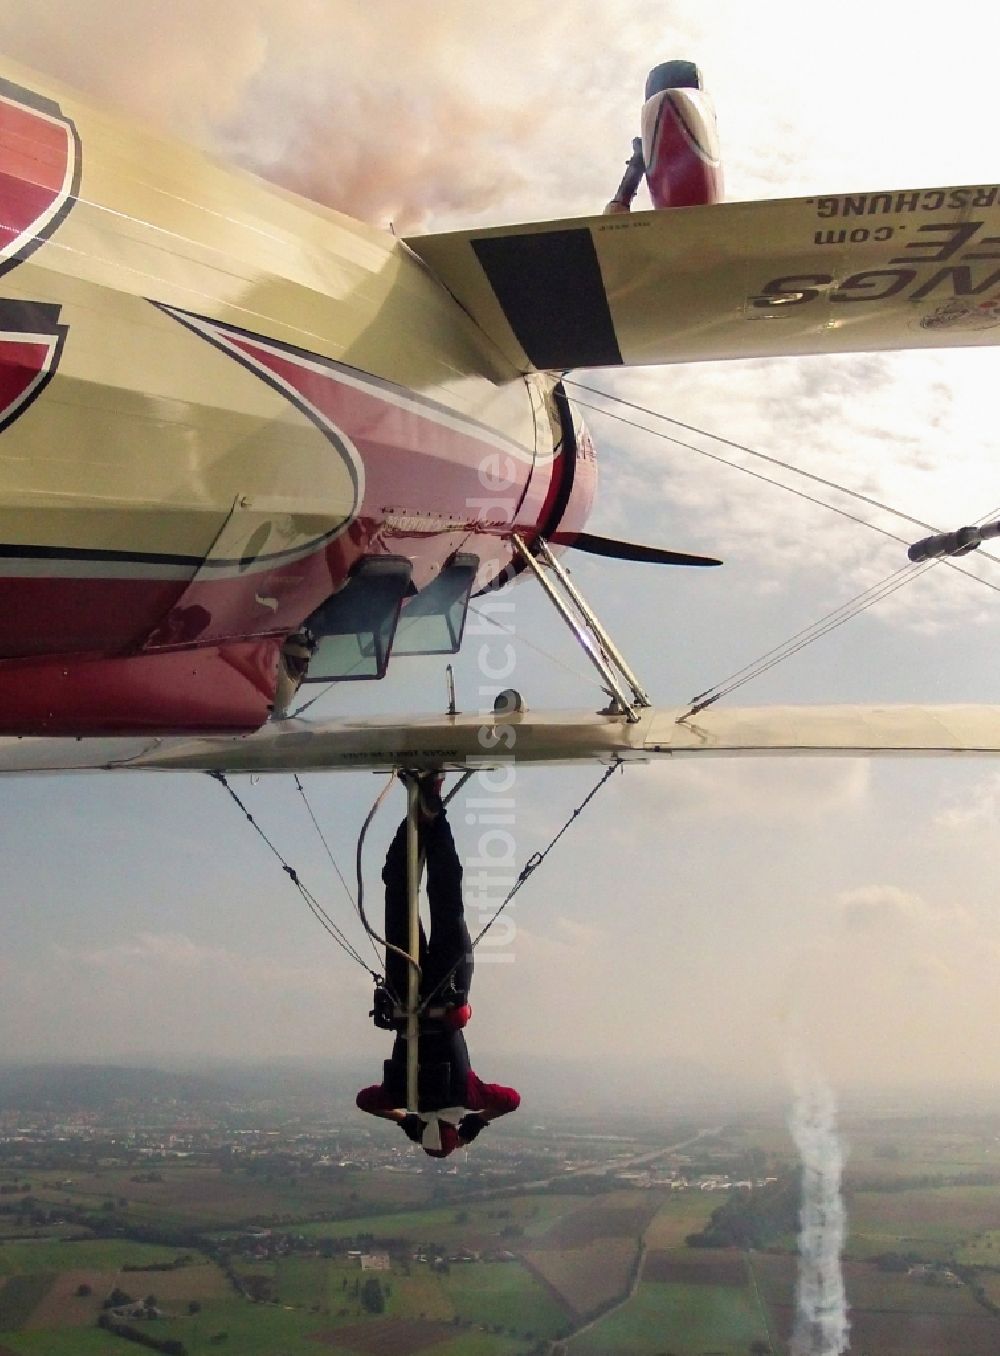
(248, 443)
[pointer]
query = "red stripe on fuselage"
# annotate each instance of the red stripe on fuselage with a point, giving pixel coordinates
(390, 431)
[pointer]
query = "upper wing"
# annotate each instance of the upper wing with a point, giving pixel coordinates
(903, 269)
(466, 742)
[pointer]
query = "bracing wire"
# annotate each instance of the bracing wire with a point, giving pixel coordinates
(322, 837)
(328, 925)
(757, 475)
(830, 622)
(313, 700)
(752, 452)
(329, 853)
(844, 608)
(778, 484)
(336, 933)
(530, 866)
(508, 631)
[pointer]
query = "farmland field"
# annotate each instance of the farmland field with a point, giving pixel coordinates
(585, 1279)
(421, 1294)
(94, 1254)
(253, 1330)
(696, 1266)
(386, 1337)
(686, 1319)
(504, 1294)
(61, 1306)
(68, 1342)
(981, 1250)
(480, 1267)
(869, 1288)
(682, 1213)
(208, 1196)
(889, 1312)
(620, 1214)
(18, 1297)
(942, 1218)
(896, 1334)
(474, 1225)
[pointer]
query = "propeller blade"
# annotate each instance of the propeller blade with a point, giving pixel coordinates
(630, 550)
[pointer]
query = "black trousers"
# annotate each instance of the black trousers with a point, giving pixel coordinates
(449, 944)
(442, 1053)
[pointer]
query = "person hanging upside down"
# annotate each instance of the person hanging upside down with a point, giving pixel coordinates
(454, 1103)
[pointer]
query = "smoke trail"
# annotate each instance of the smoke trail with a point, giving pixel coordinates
(406, 112)
(821, 1324)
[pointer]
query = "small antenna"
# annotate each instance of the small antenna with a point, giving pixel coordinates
(452, 707)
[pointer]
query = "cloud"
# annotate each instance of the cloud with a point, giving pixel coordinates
(782, 790)
(871, 908)
(174, 955)
(975, 807)
(898, 987)
(169, 992)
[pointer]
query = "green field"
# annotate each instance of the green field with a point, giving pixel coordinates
(568, 1254)
(253, 1330)
(934, 1222)
(503, 1294)
(455, 1225)
(982, 1250)
(88, 1254)
(500, 1294)
(686, 1319)
(18, 1297)
(207, 1196)
(75, 1342)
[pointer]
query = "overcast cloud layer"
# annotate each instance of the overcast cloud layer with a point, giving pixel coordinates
(702, 908)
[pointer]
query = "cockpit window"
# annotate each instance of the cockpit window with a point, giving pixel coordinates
(432, 622)
(354, 628)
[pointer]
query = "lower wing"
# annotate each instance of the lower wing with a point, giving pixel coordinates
(472, 742)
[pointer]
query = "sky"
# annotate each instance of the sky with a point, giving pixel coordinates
(701, 920)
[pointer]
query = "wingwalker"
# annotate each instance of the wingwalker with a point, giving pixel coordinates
(429, 1087)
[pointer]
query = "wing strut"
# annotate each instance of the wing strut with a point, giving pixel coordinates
(598, 646)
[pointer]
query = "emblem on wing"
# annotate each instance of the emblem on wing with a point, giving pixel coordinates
(39, 178)
(39, 171)
(31, 341)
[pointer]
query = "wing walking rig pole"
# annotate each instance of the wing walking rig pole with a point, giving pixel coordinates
(598, 646)
(413, 943)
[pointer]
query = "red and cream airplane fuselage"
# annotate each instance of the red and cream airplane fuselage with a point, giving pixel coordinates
(227, 414)
(215, 401)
